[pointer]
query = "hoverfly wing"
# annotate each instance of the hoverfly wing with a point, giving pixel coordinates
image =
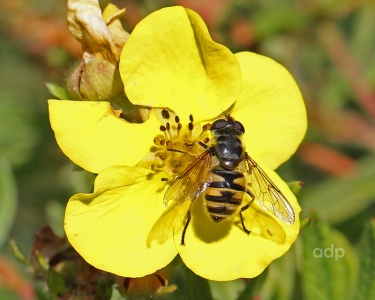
(171, 222)
(191, 182)
(267, 193)
(187, 186)
(262, 224)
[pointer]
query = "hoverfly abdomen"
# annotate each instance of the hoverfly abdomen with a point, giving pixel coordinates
(224, 194)
(228, 179)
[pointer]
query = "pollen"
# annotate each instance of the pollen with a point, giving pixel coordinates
(177, 144)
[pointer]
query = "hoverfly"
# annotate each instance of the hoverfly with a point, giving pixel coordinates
(225, 173)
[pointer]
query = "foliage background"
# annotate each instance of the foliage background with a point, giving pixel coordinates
(328, 46)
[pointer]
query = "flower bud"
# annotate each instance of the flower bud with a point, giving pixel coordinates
(94, 79)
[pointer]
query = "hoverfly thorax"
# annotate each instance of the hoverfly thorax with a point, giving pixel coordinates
(227, 135)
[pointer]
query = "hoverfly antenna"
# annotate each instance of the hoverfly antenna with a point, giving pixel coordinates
(227, 116)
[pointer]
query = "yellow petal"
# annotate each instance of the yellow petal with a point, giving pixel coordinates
(109, 227)
(111, 15)
(94, 138)
(271, 108)
(171, 61)
(225, 252)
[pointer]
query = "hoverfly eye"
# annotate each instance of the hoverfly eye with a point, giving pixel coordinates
(219, 124)
(239, 126)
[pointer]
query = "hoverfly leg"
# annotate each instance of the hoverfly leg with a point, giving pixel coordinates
(203, 145)
(188, 216)
(244, 208)
(241, 217)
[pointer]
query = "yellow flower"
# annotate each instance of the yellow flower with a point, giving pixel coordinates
(171, 65)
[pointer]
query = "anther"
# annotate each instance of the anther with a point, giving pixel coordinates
(206, 140)
(169, 144)
(164, 179)
(165, 114)
(153, 167)
(191, 118)
(191, 126)
(162, 142)
(177, 119)
(179, 126)
(162, 128)
(206, 127)
(162, 157)
(156, 141)
(168, 126)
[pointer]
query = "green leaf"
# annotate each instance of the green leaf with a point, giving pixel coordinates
(362, 38)
(58, 91)
(7, 294)
(227, 290)
(18, 253)
(116, 295)
(104, 288)
(56, 284)
(18, 135)
(8, 199)
(55, 216)
(282, 17)
(280, 278)
(253, 287)
(329, 264)
(42, 261)
(196, 286)
(338, 199)
(366, 281)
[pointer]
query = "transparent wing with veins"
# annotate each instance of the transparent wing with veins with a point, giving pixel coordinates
(191, 182)
(187, 186)
(267, 193)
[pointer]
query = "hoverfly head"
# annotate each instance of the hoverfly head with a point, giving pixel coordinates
(227, 126)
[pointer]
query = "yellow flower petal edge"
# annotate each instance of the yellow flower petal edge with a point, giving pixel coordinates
(94, 138)
(171, 61)
(109, 227)
(271, 108)
(225, 252)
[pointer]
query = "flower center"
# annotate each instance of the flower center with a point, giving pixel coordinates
(177, 145)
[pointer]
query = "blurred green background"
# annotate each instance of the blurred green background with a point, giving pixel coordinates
(328, 46)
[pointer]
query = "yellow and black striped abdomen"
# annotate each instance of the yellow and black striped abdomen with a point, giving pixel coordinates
(225, 192)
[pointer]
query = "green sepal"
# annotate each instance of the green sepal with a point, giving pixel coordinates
(295, 186)
(305, 223)
(58, 91)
